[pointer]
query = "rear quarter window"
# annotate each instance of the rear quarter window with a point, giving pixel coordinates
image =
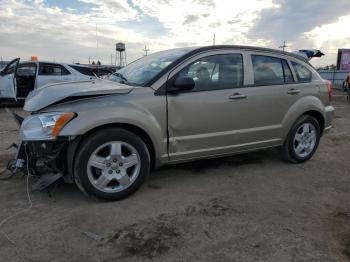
(303, 73)
(83, 70)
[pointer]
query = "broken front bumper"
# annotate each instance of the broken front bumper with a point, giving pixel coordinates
(39, 158)
(53, 158)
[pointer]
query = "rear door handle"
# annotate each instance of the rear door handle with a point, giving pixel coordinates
(237, 96)
(293, 91)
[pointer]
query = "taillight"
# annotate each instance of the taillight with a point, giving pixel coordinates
(330, 90)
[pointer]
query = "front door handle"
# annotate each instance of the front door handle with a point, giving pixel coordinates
(237, 96)
(293, 91)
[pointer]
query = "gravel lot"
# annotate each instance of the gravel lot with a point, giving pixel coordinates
(251, 207)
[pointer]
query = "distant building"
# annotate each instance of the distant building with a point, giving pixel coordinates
(343, 61)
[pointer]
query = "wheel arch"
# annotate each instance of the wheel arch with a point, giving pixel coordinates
(77, 142)
(308, 105)
(319, 117)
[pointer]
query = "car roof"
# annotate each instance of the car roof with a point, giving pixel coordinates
(195, 50)
(57, 63)
(46, 62)
(249, 48)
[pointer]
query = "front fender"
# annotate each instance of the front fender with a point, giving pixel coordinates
(144, 112)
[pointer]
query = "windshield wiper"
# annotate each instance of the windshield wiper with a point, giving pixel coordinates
(122, 77)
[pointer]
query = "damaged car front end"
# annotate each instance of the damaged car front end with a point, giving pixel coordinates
(42, 152)
(43, 148)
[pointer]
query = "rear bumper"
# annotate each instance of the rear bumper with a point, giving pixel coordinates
(329, 114)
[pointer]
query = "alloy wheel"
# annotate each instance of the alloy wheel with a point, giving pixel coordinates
(305, 140)
(113, 166)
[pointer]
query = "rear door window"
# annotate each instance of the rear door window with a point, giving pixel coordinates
(303, 74)
(46, 69)
(267, 70)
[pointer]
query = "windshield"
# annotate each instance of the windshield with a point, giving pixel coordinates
(143, 70)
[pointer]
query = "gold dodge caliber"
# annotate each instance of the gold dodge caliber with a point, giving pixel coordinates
(174, 106)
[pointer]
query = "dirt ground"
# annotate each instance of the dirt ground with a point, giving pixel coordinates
(251, 207)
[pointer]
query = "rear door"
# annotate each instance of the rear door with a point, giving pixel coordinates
(270, 95)
(8, 87)
(51, 73)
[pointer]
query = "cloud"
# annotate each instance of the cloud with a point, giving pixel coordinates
(66, 30)
(292, 18)
(305, 24)
(50, 32)
(113, 10)
(190, 19)
(197, 21)
(329, 38)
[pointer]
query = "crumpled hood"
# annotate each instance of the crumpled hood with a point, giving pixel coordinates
(50, 94)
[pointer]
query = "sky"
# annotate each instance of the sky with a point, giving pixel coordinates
(76, 30)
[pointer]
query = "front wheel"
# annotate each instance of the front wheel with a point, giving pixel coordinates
(111, 164)
(302, 140)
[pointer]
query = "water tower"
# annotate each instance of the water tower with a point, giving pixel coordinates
(120, 54)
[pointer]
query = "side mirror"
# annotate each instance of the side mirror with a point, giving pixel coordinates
(182, 84)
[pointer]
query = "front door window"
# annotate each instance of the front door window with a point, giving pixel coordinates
(216, 72)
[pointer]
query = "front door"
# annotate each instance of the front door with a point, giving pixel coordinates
(8, 87)
(202, 122)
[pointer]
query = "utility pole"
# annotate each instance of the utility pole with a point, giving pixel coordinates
(283, 46)
(146, 50)
(214, 39)
(96, 43)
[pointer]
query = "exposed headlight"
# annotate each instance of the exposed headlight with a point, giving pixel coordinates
(44, 126)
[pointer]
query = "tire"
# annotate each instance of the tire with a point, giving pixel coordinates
(298, 148)
(105, 164)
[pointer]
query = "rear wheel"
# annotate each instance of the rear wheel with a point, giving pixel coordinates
(302, 140)
(111, 164)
